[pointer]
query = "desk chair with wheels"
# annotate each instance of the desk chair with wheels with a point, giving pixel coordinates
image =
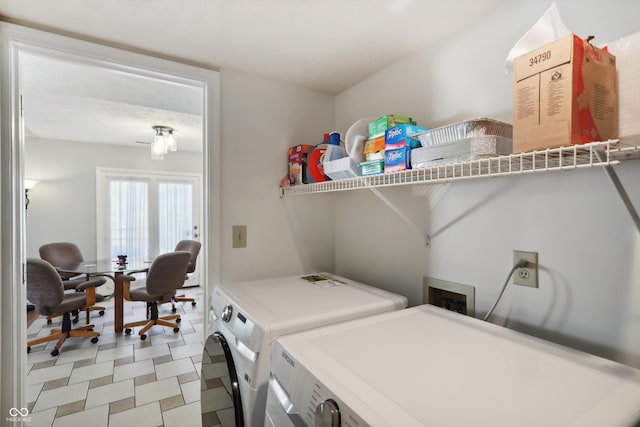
(46, 290)
(67, 255)
(193, 247)
(166, 274)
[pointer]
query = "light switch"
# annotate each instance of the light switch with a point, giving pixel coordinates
(239, 236)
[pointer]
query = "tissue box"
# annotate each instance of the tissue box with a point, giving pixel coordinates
(627, 52)
(565, 93)
(379, 126)
(401, 136)
(397, 159)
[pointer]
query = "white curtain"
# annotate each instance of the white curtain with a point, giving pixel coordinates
(175, 214)
(129, 227)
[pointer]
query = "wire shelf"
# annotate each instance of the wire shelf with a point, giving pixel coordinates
(593, 154)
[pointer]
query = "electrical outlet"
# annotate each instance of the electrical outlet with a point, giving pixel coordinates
(527, 276)
(239, 236)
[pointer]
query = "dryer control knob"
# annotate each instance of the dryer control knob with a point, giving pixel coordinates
(327, 414)
(226, 313)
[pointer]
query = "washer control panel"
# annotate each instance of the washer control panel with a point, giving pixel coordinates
(227, 312)
(309, 397)
(231, 320)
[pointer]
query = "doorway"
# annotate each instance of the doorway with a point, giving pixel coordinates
(17, 43)
(143, 214)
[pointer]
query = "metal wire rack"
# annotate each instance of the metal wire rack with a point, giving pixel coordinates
(607, 153)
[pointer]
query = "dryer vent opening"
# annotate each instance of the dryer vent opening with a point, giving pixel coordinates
(452, 296)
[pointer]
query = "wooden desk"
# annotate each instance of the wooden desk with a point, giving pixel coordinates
(111, 269)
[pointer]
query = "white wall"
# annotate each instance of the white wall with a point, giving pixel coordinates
(589, 294)
(261, 119)
(63, 204)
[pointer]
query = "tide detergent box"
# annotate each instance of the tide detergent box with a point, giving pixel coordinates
(401, 136)
(397, 159)
(379, 126)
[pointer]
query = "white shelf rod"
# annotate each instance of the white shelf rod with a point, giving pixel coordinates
(405, 218)
(617, 184)
(565, 158)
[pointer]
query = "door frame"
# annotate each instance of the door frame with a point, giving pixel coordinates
(102, 198)
(14, 40)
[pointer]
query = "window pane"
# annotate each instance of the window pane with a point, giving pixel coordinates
(175, 214)
(129, 224)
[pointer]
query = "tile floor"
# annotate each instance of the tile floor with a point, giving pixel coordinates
(120, 380)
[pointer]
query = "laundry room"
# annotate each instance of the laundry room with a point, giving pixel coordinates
(301, 277)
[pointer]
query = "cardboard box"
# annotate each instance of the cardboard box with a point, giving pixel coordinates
(565, 93)
(298, 164)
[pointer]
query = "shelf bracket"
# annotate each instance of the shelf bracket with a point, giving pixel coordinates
(613, 177)
(427, 238)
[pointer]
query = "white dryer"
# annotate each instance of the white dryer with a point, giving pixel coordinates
(246, 319)
(425, 366)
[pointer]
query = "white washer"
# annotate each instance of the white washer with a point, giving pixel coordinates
(426, 366)
(247, 317)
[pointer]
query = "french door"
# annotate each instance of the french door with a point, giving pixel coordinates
(144, 214)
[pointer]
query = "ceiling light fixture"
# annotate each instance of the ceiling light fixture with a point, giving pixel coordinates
(163, 142)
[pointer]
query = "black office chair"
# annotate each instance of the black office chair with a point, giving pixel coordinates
(166, 274)
(46, 290)
(68, 255)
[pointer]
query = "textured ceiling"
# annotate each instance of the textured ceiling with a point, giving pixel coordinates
(324, 45)
(75, 102)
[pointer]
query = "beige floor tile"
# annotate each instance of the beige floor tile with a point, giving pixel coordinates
(94, 417)
(191, 391)
(33, 391)
(66, 355)
(137, 382)
(157, 390)
(171, 402)
(49, 373)
(187, 378)
(183, 416)
(70, 408)
(151, 352)
(188, 350)
(114, 353)
(132, 370)
(61, 395)
(90, 372)
(122, 405)
(145, 379)
(109, 393)
(60, 382)
(99, 382)
(42, 418)
(141, 416)
(174, 368)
